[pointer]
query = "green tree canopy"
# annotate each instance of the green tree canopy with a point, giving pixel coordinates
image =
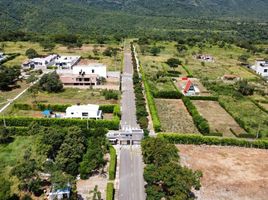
(51, 82)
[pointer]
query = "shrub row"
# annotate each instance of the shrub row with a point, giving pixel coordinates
(108, 108)
(150, 100)
(110, 191)
(199, 140)
(22, 131)
(204, 98)
(189, 73)
(82, 123)
(200, 122)
(141, 111)
(10, 57)
(167, 94)
(112, 166)
(259, 106)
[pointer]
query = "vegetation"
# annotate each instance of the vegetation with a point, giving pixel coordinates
(165, 176)
(110, 191)
(112, 166)
(208, 140)
(8, 77)
(31, 53)
(51, 82)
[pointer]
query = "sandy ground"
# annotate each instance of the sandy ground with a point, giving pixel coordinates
(265, 105)
(218, 119)
(229, 173)
(85, 187)
(174, 116)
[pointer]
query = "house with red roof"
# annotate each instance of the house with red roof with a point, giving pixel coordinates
(190, 89)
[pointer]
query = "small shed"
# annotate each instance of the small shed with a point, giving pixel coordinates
(190, 89)
(47, 113)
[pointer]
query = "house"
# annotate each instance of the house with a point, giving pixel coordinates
(66, 62)
(89, 111)
(40, 63)
(261, 68)
(60, 194)
(207, 58)
(2, 56)
(190, 89)
(82, 75)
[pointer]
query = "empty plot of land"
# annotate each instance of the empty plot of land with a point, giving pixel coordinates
(229, 173)
(218, 119)
(174, 116)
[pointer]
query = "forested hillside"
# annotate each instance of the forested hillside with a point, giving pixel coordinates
(132, 17)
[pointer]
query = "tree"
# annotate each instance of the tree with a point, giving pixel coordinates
(155, 50)
(34, 92)
(51, 82)
(48, 45)
(96, 193)
(244, 88)
(4, 189)
(8, 76)
(31, 53)
(173, 62)
(32, 78)
(243, 58)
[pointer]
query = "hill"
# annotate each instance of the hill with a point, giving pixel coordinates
(126, 16)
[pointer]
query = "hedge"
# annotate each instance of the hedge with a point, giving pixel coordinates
(110, 191)
(112, 166)
(190, 75)
(167, 94)
(259, 106)
(82, 123)
(204, 98)
(151, 103)
(22, 131)
(199, 140)
(107, 108)
(200, 122)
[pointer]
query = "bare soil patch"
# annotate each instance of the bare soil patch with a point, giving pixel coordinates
(265, 105)
(229, 173)
(174, 116)
(218, 119)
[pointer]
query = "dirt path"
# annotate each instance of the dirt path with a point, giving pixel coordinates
(229, 173)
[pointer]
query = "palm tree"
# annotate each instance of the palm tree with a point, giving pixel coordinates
(96, 194)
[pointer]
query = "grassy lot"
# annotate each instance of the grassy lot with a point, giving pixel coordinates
(11, 154)
(68, 96)
(226, 60)
(5, 95)
(86, 51)
(219, 120)
(174, 116)
(254, 118)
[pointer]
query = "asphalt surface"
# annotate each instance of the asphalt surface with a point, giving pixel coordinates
(128, 120)
(131, 185)
(131, 182)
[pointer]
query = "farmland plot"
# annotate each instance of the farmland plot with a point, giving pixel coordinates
(219, 120)
(174, 116)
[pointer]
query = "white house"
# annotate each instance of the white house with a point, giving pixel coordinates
(93, 68)
(82, 75)
(89, 111)
(261, 68)
(2, 56)
(66, 62)
(40, 63)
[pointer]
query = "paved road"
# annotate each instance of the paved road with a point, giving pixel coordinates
(131, 182)
(131, 185)
(128, 120)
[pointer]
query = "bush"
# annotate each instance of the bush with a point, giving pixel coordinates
(31, 53)
(26, 121)
(110, 191)
(117, 111)
(9, 57)
(110, 94)
(199, 140)
(204, 98)
(112, 166)
(200, 122)
(51, 82)
(167, 94)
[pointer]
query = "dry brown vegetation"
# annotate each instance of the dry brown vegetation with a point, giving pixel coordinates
(219, 120)
(174, 116)
(229, 173)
